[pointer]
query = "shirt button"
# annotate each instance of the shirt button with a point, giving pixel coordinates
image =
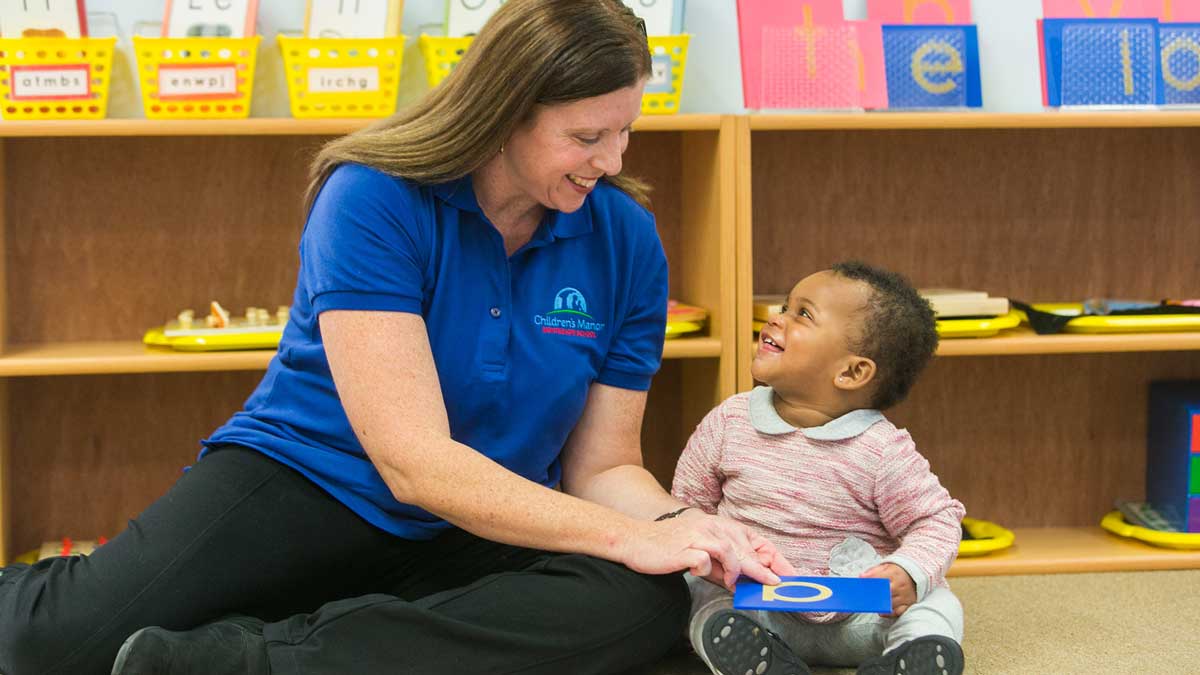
(495, 312)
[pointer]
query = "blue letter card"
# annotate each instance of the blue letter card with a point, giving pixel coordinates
(1180, 43)
(932, 66)
(816, 594)
(1102, 62)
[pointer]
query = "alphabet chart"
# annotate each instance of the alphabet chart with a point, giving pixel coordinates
(210, 18)
(353, 18)
(466, 17)
(43, 18)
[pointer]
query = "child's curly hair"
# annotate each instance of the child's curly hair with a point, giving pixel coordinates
(898, 331)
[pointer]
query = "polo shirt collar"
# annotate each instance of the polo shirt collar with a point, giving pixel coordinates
(766, 420)
(460, 193)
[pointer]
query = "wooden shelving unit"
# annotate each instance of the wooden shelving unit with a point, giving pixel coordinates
(109, 227)
(152, 216)
(1033, 207)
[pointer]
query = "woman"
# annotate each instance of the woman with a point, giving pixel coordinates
(444, 455)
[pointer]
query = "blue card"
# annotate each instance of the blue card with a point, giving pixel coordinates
(932, 66)
(816, 594)
(1180, 45)
(1102, 62)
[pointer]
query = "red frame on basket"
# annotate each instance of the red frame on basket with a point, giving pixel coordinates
(198, 97)
(13, 70)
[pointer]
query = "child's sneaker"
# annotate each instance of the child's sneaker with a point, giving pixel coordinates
(736, 645)
(930, 655)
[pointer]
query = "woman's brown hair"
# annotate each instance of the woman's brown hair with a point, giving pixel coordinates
(530, 53)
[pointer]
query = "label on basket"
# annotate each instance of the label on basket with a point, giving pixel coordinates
(189, 82)
(342, 80)
(51, 82)
(660, 75)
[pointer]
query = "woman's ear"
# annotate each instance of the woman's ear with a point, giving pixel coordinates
(856, 373)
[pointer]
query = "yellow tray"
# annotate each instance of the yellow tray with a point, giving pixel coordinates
(1153, 323)
(669, 53)
(215, 341)
(992, 538)
(678, 328)
(1114, 522)
(979, 327)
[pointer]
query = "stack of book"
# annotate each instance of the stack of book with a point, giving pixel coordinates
(684, 319)
(954, 303)
(960, 313)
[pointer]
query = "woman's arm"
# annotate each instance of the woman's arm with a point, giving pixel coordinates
(602, 462)
(386, 378)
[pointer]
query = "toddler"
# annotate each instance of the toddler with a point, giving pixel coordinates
(811, 463)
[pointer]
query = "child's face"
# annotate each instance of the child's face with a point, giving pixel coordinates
(805, 347)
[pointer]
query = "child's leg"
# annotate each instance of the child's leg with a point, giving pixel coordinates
(940, 613)
(925, 640)
(732, 642)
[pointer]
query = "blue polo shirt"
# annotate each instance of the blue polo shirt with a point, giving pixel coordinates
(517, 341)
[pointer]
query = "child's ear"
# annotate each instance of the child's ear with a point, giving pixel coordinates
(856, 373)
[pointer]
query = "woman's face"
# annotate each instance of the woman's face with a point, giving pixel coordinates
(557, 157)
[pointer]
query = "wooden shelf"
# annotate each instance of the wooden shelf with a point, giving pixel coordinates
(1019, 341)
(99, 358)
(273, 126)
(287, 126)
(1024, 341)
(979, 120)
(1053, 550)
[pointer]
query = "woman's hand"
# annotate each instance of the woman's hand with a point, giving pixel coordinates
(904, 591)
(712, 547)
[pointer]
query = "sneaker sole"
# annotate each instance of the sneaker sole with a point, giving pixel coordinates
(932, 655)
(123, 655)
(736, 645)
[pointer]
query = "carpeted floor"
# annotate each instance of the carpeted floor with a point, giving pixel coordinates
(1115, 623)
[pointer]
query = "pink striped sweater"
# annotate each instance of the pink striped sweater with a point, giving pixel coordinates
(806, 490)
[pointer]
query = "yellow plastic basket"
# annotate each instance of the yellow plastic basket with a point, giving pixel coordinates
(196, 78)
(669, 54)
(342, 77)
(55, 78)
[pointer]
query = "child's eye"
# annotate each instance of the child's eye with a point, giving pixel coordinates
(804, 313)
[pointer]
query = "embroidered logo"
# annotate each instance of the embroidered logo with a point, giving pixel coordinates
(569, 317)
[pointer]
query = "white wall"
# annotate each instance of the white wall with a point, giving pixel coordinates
(1008, 51)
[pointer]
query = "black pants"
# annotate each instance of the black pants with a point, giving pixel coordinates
(242, 534)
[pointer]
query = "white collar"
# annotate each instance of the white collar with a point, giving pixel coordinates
(766, 420)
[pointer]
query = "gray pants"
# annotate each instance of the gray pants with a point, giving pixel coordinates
(845, 643)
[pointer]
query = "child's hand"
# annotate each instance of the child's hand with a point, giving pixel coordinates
(904, 590)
